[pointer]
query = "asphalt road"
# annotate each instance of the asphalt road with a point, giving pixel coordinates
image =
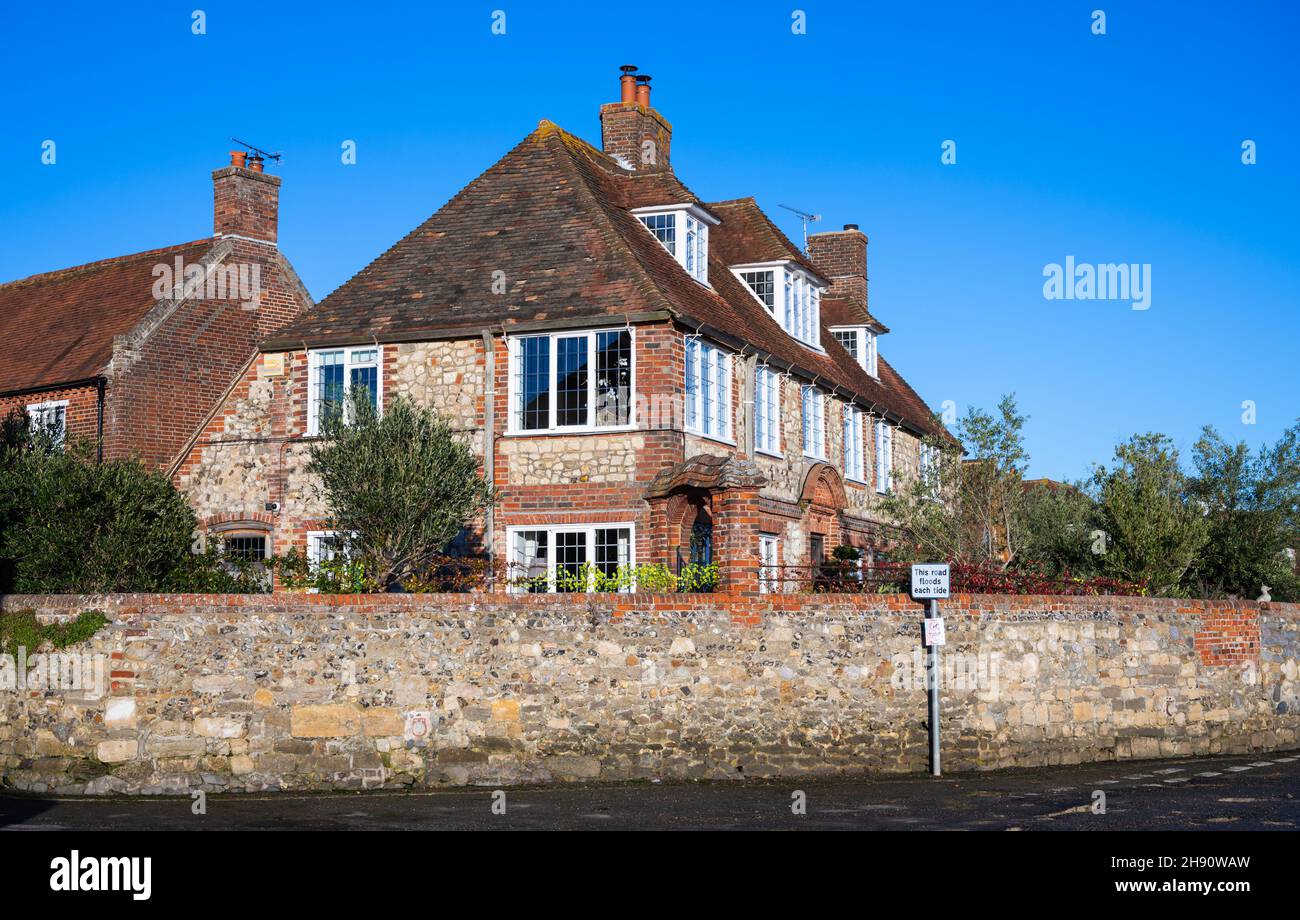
(1260, 792)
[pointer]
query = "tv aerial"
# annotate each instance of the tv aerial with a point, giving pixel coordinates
(807, 219)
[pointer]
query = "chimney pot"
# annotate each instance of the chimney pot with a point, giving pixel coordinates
(850, 226)
(255, 163)
(237, 158)
(627, 83)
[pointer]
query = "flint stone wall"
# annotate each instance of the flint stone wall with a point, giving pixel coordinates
(323, 692)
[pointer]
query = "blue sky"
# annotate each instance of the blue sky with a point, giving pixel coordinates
(1123, 147)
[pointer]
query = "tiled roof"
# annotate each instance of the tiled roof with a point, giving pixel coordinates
(553, 216)
(58, 327)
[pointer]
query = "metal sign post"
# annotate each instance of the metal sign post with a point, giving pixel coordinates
(930, 583)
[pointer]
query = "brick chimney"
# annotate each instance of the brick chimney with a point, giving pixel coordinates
(842, 257)
(631, 130)
(246, 200)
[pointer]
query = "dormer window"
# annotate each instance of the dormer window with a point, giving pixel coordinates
(860, 342)
(762, 284)
(683, 230)
(790, 294)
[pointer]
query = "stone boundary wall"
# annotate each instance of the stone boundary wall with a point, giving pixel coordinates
(313, 692)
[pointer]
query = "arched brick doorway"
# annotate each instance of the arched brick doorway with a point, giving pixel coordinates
(822, 499)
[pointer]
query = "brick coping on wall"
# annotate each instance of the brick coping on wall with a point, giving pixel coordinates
(620, 603)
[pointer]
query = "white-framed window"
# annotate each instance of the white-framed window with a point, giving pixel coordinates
(553, 558)
(325, 546)
(708, 389)
(930, 468)
(861, 343)
(884, 457)
(683, 230)
(790, 294)
(853, 460)
(762, 284)
(335, 373)
(50, 417)
(767, 411)
(572, 381)
(769, 561)
(814, 423)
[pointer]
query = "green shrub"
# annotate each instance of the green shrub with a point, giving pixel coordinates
(69, 525)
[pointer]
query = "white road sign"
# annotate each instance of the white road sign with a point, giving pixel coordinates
(929, 581)
(934, 634)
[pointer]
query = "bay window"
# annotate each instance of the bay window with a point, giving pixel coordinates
(569, 558)
(814, 423)
(853, 465)
(767, 411)
(571, 380)
(335, 375)
(708, 390)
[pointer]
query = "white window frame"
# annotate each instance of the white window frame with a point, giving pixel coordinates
(516, 395)
(691, 225)
(699, 355)
(769, 562)
(867, 344)
(814, 422)
(931, 457)
(771, 272)
(796, 300)
(589, 530)
(315, 542)
(884, 457)
(854, 463)
(767, 411)
(314, 356)
(38, 412)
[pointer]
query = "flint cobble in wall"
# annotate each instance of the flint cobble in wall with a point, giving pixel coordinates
(294, 692)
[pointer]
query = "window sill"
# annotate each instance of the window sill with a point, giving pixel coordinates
(775, 455)
(815, 459)
(856, 481)
(567, 432)
(710, 437)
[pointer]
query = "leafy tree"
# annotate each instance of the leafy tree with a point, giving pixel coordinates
(1252, 510)
(73, 526)
(968, 510)
(1059, 530)
(1153, 533)
(402, 484)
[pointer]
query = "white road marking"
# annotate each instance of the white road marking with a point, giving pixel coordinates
(1107, 782)
(1209, 773)
(1139, 776)
(1261, 763)
(1178, 779)
(1171, 770)
(1286, 760)
(1238, 769)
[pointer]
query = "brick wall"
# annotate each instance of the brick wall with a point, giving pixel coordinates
(82, 413)
(339, 692)
(167, 377)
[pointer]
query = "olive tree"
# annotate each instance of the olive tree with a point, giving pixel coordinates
(401, 484)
